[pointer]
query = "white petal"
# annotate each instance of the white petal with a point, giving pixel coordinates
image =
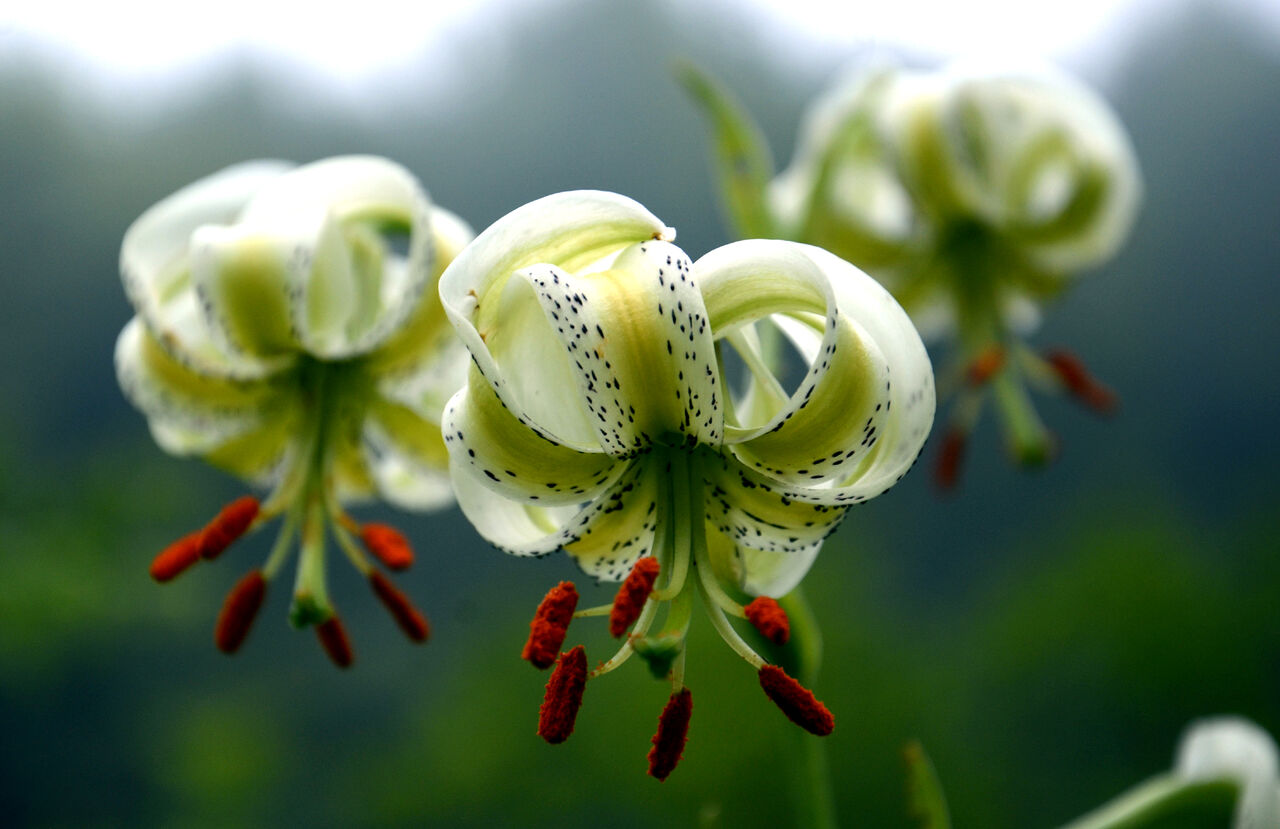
(405, 457)
(191, 412)
(640, 347)
(514, 460)
(154, 260)
(1235, 749)
(751, 513)
(568, 230)
(870, 445)
(365, 195)
(759, 572)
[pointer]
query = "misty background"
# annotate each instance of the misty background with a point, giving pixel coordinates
(1046, 635)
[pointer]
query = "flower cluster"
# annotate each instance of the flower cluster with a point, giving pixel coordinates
(288, 331)
(974, 194)
(599, 417)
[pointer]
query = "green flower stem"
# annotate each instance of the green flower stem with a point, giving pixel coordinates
(1155, 798)
(813, 783)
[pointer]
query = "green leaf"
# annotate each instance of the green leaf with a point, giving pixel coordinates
(741, 155)
(925, 801)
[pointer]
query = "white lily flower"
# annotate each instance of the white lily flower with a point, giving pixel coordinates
(973, 193)
(597, 419)
(1236, 750)
(283, 336)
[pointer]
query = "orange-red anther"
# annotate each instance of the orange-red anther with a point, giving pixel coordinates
(177, 557)
(408, 617)
(549, 625)
(770, 619)
(227, 526)
(950, 456)
(238, 611)
(388, 545)
(632, 595)
(796, 701)
(673, 733)
(1080, 383)
(984, 366)
(564, 696)
(333, 638)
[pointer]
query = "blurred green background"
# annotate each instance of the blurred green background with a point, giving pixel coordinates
(1046, 636)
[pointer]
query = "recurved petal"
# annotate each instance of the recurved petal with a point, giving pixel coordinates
(405, 456)
(833, 419)
(191, 412)
(617, 527)
(748, 511)
(759, 572)
(642, 357)
(746, 280)
(513, 459)
(363, 299)
(569, 230)
(153, 255)
(270, 289)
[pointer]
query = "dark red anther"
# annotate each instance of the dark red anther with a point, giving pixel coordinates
(1080, 383)
(950, 457)
(177, 557)
(984, 366)
(796, 701)
(673, 733)
(333, 638)
(632, 595)
(549, 625)
(770, 619)
(408, 617)
(388, 545)
(238, 611)
(564, 696)
(228, 525)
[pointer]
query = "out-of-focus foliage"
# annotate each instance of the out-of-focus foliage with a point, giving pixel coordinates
(1046, 640)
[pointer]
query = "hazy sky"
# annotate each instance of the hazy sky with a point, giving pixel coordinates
(146, 39)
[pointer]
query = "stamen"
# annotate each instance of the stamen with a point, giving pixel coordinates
(564, 696)
(333, 638)
(796, 701)
(388, 545)
(238, 611)
(770, 619)
(673, 733)
(985, 365)
(227, 526)
(950, 457)
(408, 617)
(177, 557)
(632, 595)
(1080, 383)
(549, 625)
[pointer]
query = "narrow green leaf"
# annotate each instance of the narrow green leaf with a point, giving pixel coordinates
(740, 154)
(925, 801)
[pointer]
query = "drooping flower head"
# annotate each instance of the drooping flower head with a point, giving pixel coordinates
(288, 331)
(598, 418)
(974, 194)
